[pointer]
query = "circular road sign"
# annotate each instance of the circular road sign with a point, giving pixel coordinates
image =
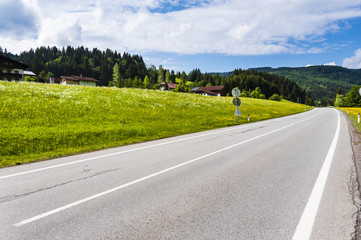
(359, 91)
(237, 102)
(236, 92)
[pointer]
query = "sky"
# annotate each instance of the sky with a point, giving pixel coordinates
(212, 35)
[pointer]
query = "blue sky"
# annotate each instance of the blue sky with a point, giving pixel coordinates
(212, 35)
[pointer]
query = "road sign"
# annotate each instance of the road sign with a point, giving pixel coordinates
(238, 112)
(359, 91)
(236, 92)
(237, 102)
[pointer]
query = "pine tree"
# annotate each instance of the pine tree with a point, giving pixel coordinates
(117, 78)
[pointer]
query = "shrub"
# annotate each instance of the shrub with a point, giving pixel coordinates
(275, 97)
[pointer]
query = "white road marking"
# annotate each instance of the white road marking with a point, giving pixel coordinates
(305, 225)
(127, 151)
(112, 154)
(29, 220)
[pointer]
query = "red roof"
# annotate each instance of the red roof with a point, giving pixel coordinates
(82, 78)
(79, 78)
(171, 85)
(212, 88)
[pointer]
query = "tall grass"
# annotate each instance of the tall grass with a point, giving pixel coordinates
(353, 113)
(42, 121)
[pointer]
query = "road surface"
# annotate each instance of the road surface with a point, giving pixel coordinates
(286, 178)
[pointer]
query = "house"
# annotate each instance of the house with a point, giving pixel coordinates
(211, 91)
(11, 70)
(77, 80)
(171, 86)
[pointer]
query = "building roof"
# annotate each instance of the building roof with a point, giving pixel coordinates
(29, 73)
(9, 63)
(82, 78)
(79, 78)
(212, 88)
(209, 90)
(171, 85)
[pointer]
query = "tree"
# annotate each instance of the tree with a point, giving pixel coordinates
(137, 83)
(309, 101)
(161, 78)
(146, 83)
(117, 78)
(42, 74)
(339, 91)
(172, 76)
(181, 87)
(257, 93)
(183, 77)
(340, 101)
(167, 76)
(48, 76)
(353, 97)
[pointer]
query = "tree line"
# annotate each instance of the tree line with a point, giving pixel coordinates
(351, 99)
(112, 68)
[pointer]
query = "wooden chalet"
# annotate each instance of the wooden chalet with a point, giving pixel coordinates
(171, 86)
(77, 80)
(211, 91)
(11, 70)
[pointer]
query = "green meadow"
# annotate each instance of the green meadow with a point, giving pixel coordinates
(353, 113)
(43, 121)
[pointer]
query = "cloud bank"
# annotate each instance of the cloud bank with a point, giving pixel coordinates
(354, 61)
(230, 27)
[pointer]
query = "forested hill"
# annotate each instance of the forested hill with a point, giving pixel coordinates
(321, 82)
(75, 61)
(124, 70)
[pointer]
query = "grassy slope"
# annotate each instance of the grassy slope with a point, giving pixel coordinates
(353, 115)
(42, 121)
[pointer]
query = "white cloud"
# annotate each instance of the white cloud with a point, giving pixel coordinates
(354, 61)
(19, 19)
(330, 64)
(230, 27)
(67, 32)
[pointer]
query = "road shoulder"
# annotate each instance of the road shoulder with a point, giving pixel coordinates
(354, 185)
(337, 213)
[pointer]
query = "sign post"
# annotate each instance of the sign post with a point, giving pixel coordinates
(236, 102)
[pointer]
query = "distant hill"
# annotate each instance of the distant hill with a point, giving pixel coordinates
(321, 82)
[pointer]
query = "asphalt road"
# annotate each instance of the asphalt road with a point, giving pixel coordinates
(279, 179)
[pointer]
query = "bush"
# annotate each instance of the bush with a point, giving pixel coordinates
(275, 97)
(245, 93)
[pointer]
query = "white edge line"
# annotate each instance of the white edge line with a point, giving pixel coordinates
(112, 154)
(29, 220)
(127, 151)
(305, 225)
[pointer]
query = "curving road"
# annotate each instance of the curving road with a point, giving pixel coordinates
(286, 178)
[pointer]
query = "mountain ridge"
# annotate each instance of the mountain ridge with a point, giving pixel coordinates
(321, 82)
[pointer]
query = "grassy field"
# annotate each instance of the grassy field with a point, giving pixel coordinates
(43, 121)
(352, 113)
